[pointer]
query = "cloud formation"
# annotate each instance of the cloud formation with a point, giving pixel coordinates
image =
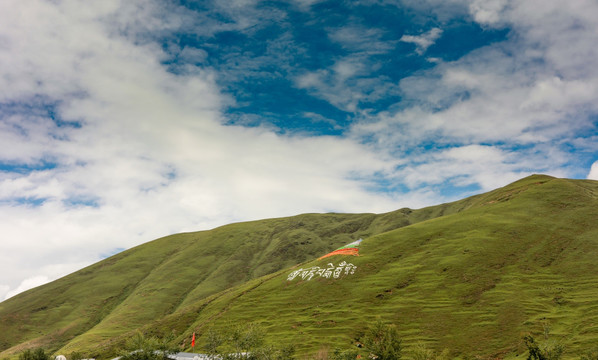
(523, 96)
(123, 121)
(117, 151)
(423, 41)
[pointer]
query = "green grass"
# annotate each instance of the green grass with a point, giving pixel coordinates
(153, 280)
(472, 276)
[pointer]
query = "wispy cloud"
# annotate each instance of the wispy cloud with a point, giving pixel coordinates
(305, 5)
(361, 39)
(423, 41)
(524, 94)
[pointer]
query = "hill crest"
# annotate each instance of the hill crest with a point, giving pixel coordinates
(471, 259)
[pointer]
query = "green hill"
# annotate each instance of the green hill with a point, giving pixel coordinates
(139, 285)
(471, 276)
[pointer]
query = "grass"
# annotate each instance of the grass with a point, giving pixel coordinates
(148, 282)
(471, 276)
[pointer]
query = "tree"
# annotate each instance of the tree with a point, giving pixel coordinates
(244, 342)
(246, 339)
(142, 348)
(213, 342)
(383, 342)
(546, 351)
(37, 354)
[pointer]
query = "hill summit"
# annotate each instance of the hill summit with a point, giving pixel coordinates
(470, 276)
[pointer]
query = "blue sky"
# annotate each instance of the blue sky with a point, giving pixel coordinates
(125, 120)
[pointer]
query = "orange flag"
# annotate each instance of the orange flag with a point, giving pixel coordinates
(349, 249)
(193, 341)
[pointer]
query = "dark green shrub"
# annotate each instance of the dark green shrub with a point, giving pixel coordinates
(382, 342)
(244, 342)
(546, 351)
(421, 352)
(75, 355)
(142, 348)
(37, 354)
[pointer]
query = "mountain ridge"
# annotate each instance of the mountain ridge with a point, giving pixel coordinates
(171, 247)
(506, 212)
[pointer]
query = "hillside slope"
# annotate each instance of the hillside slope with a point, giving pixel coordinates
(137, 286)
(519, 259)
(471, 276)
(515, 260)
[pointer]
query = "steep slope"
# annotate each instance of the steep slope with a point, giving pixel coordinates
(145, 283)
(516, 260)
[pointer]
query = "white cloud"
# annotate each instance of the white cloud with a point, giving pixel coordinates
(443, 10)
(488, 167)
(359, 38)
(151, 155)
(348, 83)
(505, 92)
(27, 284)
(4, 289)
(423, 41)
(487, 11)
(522, 98)
(593, 175)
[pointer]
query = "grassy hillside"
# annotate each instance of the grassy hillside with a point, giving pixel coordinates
(520, 259)
(145, 283)
(471, 276)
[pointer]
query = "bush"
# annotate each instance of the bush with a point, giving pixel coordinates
(37, 354)
(142, 348)
(421, 352)
(244, 342)
(382, 342)
(246, 339)
(214, 341)
(547, 351)
(75, 355)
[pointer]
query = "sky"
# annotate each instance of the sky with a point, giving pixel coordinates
(122, 121)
